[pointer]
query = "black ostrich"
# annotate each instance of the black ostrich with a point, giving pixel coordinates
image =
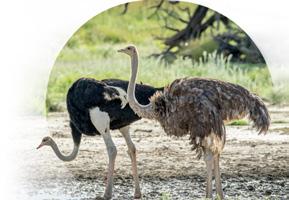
(94, 108)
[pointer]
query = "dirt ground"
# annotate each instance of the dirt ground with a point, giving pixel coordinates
(253, 166)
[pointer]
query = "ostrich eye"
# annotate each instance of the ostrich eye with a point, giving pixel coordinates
(128, 48)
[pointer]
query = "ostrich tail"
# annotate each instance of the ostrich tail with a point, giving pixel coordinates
(259, 115)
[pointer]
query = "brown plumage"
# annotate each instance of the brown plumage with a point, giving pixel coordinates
(199, 107)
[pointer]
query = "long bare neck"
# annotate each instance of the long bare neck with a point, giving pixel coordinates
(62, 157)
(144, 111)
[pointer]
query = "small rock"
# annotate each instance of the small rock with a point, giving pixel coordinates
(250, 188)
(268, 192)
(282, 184)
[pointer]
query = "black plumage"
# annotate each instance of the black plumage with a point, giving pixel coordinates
(87, 93)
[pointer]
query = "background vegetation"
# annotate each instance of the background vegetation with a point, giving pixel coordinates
(91, 52)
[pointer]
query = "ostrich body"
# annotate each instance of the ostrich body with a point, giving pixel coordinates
(198, 107)
(95, 108)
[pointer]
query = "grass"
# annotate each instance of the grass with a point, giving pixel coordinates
(152, 71)
(279, 122)
(279, 94)
(240, 122)
(113, 27)
(91, 52)
(139, 26)
(165, 196)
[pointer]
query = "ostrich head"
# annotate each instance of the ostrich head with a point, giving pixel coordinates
(129, 50)
(46, 141)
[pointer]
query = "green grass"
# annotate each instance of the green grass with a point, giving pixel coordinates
(140, 27)
(133, 27)
(165, 196)
(91, 52)
(279, 122)
(240, 122)
(151, 71)
(279, 94)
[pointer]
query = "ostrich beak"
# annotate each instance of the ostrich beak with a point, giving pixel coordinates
(39, 146)
(120, 50)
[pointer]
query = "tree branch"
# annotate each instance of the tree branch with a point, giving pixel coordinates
(157, 7)
(125, 9)
(174, 15)
(187, 10)
(172, 29)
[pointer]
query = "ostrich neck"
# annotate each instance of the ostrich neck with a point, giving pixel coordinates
(62, 157)
(144, 111)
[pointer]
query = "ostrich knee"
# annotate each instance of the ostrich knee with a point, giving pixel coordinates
(131, 150)
(112, 152)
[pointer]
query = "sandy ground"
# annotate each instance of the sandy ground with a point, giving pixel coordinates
(253, 166)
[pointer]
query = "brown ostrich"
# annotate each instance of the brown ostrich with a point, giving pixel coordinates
(199, 107)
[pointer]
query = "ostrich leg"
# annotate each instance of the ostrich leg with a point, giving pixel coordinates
(111, 150)
(101, 122)
(209, 164)
(218, 176)
(132, 154)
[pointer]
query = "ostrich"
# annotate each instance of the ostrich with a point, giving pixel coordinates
(199, 107)
(94, 108)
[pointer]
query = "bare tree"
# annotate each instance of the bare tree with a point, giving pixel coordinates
(233, 41)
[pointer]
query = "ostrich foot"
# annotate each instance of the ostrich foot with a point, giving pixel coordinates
(99, 198)
(137, 195)
(102, 198)
(105, 197)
